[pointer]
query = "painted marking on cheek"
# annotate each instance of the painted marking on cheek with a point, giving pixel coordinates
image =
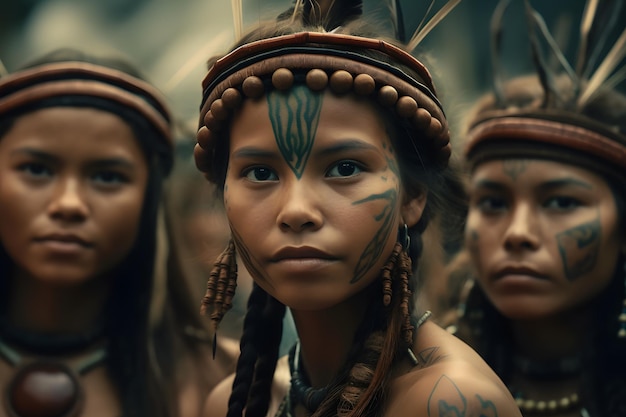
(375, 247)
(514, 167)
(251, 264)
(294, 116)
(579, 248)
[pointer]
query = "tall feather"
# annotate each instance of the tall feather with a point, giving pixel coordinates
(543, 72)
(541, 25)
(397, 19)
(496, 50)
(237, 7)
(585, 27)
(607, 15)
(421, 33)
(612, 59)
(297, 10)
(331, 14)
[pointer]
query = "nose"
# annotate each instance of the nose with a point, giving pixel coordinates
(522, 232)
(68, 202)
(299, 208)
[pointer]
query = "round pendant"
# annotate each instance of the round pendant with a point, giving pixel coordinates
(44, 389)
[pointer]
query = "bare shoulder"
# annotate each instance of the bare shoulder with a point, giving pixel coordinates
(216, 404)
(449, 380)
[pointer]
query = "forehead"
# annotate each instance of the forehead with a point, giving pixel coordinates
(528, 172)
(304, 112)
(82, 127)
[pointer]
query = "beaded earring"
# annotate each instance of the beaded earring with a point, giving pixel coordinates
(220, 288)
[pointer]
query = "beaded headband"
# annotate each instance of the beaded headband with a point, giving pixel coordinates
(321, 61)
(81, 79)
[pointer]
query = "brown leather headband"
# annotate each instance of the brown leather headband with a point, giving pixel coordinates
(73, 78)
(491, 138)
(317, 60)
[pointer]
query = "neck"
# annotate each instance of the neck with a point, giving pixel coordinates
(553, 337)
(326, 337)
(56, 309)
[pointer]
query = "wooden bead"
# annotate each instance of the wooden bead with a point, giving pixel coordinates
(202, 158)
(211, 122)
(206, 138)
(434, 128)
(282, 79)
(406, 106)
(253, 87)
(341, 82)
(219, 111)
(231, 98)
(387, 95)
(421, 119)
(364, 84)
(316, 79)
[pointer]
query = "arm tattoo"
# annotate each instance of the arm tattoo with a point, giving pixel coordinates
(447, 400)
(579, 248)
(294, 117)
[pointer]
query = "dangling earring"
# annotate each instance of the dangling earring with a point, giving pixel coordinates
(220, 288)
(621, 333)
(403, 243)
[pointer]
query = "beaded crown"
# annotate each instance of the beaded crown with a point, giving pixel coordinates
(326, 61)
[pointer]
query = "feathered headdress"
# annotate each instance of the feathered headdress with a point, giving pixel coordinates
(325, 58)
(572, 108)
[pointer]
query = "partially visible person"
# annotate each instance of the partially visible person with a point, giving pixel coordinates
(94, 318)
(331, 150)
(546, 236)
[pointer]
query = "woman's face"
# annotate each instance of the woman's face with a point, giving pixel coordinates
(544, 235)
(72, 185)
(312, 194)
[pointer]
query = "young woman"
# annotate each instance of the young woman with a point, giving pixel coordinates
(91, 324)
(545, 232)
(331, 150)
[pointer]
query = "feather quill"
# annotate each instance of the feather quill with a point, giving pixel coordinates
(297, 10)
(612, 59)
(397, 19)
(237, 17)
(540, 65)
(496, 49)
(421, 33)
(606, 17)
(585, 27)
(541, 24)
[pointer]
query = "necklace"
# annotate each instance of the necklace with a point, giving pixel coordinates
(301, 392)
(553, 406)
(45, 387)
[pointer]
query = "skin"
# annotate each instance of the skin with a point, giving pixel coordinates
(305, 173)
(72, 185)
(543, 236)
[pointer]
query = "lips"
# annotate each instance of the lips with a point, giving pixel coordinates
(64, 238)
(303, 252)
(518, 271)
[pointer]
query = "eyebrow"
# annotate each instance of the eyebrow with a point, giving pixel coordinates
(346, 145)
(565, 182)
(253, 152)
(491, 185)
(97, 163)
